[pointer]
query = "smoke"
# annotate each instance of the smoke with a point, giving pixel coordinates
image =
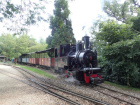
(70, 79)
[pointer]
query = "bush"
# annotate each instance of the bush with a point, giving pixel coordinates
(118, 47)
(121, 62)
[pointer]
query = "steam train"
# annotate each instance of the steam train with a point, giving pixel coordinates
(77, 60)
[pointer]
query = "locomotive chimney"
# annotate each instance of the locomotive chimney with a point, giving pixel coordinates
(86, 41)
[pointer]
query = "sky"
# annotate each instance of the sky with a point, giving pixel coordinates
(83, 13)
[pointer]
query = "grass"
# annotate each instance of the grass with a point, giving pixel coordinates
(35, 70)
(122, 86)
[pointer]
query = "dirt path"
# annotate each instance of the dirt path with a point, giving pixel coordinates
(14, 92)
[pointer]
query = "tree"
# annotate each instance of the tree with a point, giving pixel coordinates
(23, 43)
(112, 32)
(18, 16)
(119, 52)
(13, 46)
(136, 3)
(136, 24)
(49, 40)
(37, 47)
(7, 43)
(60, 24)
(118, 44)
(42, 41)
(122, 11)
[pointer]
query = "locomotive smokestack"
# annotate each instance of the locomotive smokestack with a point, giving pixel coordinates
(86, 41)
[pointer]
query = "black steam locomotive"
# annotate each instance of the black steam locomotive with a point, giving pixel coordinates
(77, 61)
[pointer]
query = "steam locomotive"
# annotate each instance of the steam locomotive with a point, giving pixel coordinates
(77, 60)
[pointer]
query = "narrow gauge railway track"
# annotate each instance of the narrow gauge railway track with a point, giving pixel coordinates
(124, 94)
(118, 96)
(52, 86)
(46, 90)
(119, 92)
(56, 87)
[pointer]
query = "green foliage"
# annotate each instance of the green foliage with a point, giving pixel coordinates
(7, 45)
(123, 64)
(121, 11)
(49, 40)
(60, 24)
(38, 47)
(136, 3)
(13, 46)
(42, 41)
(119, 55)
(35, 70)
(17, 17)
(136, 23)
(112, 32)
(118, 44)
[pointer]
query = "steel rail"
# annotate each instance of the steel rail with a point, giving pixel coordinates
(65, 90)
(111, 95)
(46, 91)
(73, 93)
(119, 92)
(115, 97)
(94, 89)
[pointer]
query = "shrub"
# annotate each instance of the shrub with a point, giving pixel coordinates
(121, 62)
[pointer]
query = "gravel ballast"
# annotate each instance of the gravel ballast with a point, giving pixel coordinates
(14, 92)
(91, 92)
(85, 90)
